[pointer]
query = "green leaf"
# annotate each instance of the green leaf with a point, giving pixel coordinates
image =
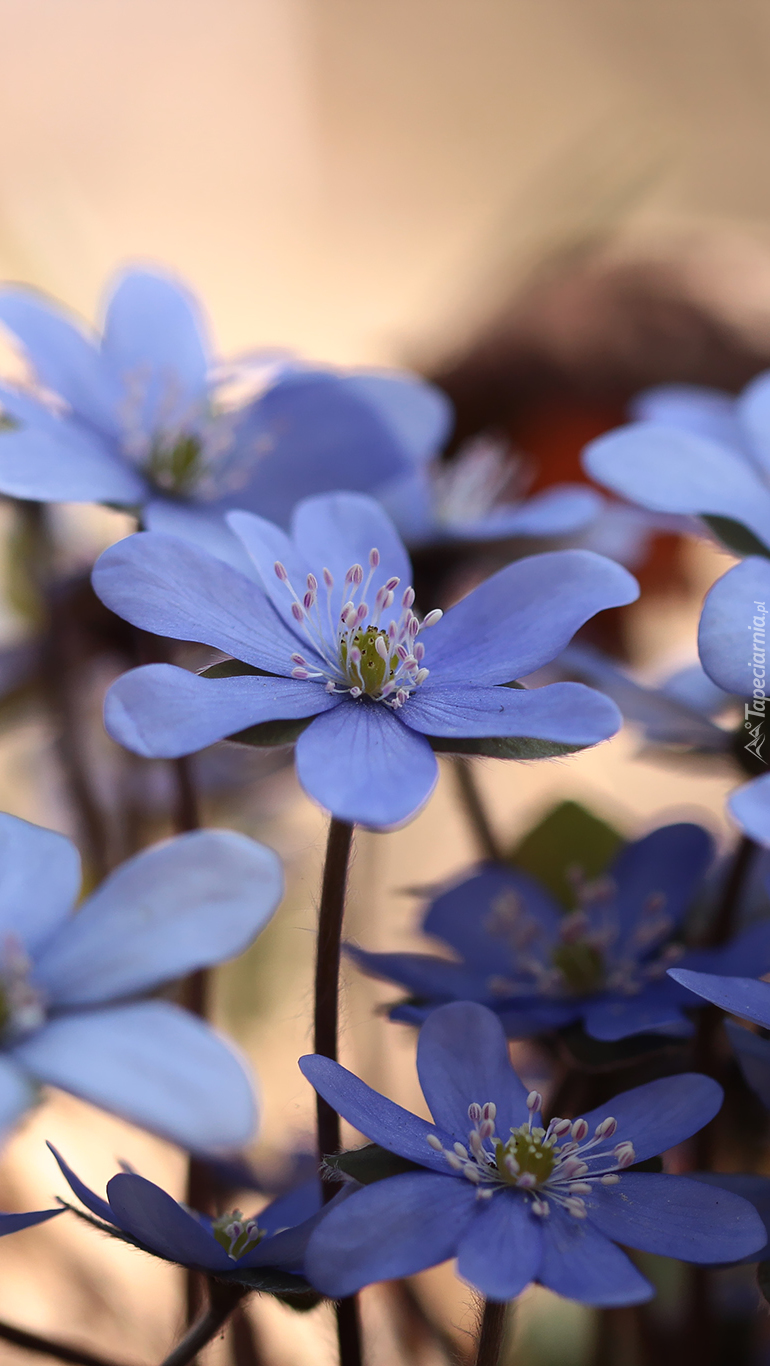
(293, 1290)
(501, 747)
(735, 536)
(269, 734)
(233, 668)
(568, 837)
(595, 1055)
(370, 1163)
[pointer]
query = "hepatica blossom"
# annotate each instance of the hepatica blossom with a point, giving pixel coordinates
(604, 962)
(372, 685)
(70, 984)
(144, 416)
(513, 1199)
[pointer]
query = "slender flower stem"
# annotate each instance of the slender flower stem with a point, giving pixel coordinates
(223, 1299)
(245, 1346)
(51, 1347)
(735, 883)
(476, 811)
(187, 816)
(492, 1334)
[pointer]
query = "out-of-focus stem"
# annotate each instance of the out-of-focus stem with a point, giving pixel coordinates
(223, 1299)
(727, 911)
(476, 811)
(51, 1347)
(245, 1347)
(492, 1334)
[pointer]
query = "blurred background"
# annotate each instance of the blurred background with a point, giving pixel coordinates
(543, 205)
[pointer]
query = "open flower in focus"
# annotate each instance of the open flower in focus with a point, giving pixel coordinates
(70, 984)
(332, 641)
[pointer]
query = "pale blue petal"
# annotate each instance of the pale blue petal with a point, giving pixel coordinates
(154, 332)
(693, 688)
(161, 711)
(556, 511)
(364, 766)
(501, 1250)
(675, 471)
(750, 807)
(151, 1216)
(727, 627)
(524, 616)
(692, 408)
(391, 1229)
(462, 1058)
(65, 465)
(17, 1094)
(173, 589)
(743, 996)
(568, 713)
(265, 544)
(152, 1064)
(581, 1264)
(753, 412)
(419, 414)
(676, 1217)
(39, 881)
(337, 530)
(661, 1114)
(179, 906)
(194, 522)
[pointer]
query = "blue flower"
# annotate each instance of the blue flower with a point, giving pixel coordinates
(144, 417)
(335, 630)
(246, 1249)
(603, 963)
(513, 1201)
(69, 984)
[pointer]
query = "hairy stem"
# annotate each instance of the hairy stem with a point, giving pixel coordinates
(492, 1334)
(51, 1347)
(223, 1299)
(476, 811)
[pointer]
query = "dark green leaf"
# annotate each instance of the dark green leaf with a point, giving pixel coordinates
(370, 1163)
(233, 668)
(269, 734)
(568, 837)
(501, 747)
(293, 1290)
(735, 536)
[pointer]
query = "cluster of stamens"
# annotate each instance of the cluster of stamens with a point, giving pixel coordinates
(584, 958)
(22, 1005)
(236, 1234)
(535, 1161)
(357, 653)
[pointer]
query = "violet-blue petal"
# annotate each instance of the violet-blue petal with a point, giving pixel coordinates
(691, 408)
(755, 1189)
(521, 1019)
(501, 1250)
(337, 530)
(199, 524)
(95, 1203)
(364, 766)
(297, 1205)
(675, 471)
(667, 864)
(150, 1215)
(287, 1247)
(17, 1093)
(458, 915)
(64, 357)
(694, 689)
(422, 974)
(419, 1219)
(182, 905)
(522, 617)
(39, 881)
(161, 711)
(568, 713)
(171, 588)
(728, 621)
(376, 1117)
(418, 413)
(618, 1017)
(753, 1054)
(154, 332)
(265, 544)
(660, 1114)
(462, 1057)
(750, 807)
(753, 413)
(14, 1223)
(154, 1065)
(581, 1264)
(66, 465)
(743, 996)
(676, 1217)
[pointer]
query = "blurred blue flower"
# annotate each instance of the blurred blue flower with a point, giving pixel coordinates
(227, 1247)
(512, 1200)
(144, 417)
(603, 963)
(69, 984)
(338, 651)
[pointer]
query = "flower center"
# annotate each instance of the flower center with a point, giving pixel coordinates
(175, 466)
(236, 1234)
(22, 1005)
(534, 1161)
(357, 653)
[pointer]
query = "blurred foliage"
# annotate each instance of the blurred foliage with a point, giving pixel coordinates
(569, 838)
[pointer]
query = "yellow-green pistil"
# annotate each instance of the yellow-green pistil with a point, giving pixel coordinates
(177, 466)
(367, 666)
(527, 1150)
(236, 1234)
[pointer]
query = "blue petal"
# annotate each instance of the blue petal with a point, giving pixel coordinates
(150, 1215)
(521, 1019)
(64, 357)
(287, 1247)
(419, 414)
(580, 1263)
(727, 624)
(173, 589)
(674, 471)
(153, 1064)
(161, 711)
(653, 1010)
(555, 511)
(14, 1223)
(670, 863)
(65, 464)
(423, 975)
(694, 689)
(376, 1117)
(17, 1093)
(85, 1195)
(198, 524)
(753, 411)
(524, 616)
(297, 1205)
(501, 1251)
(750, 807)
(691, 408)
(39, 881)
(459, 916)
(755, 1189)
(462, 1057)
(676, 1217)
(154, 332)
(753, 1054)
(337, 530)
(742, 996)
(748, 954)
(419, 1219)
(566, 712)
(364, 766)
(661, 1114)
(264, 544)
(180, 906)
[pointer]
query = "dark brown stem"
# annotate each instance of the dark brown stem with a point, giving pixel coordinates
(327, 971)
(349, 1332)
(51, 1347)
(187, 816)
(724, 921)
(492, 1334)
(476, 811)
(223, 1299)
